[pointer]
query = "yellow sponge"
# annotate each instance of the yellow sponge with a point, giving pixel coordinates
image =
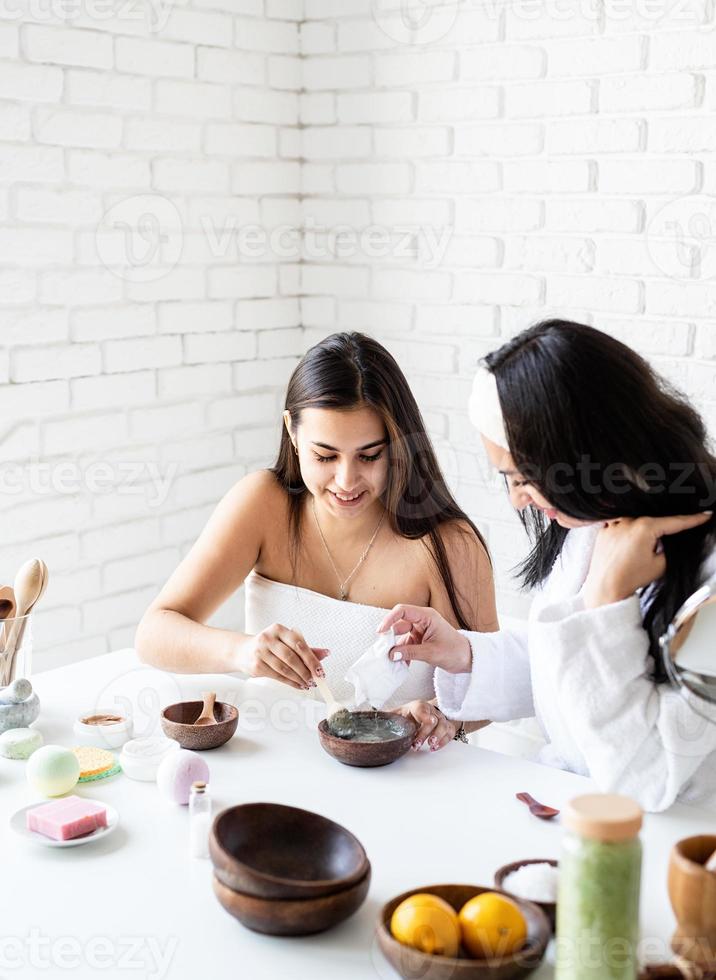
(93, 761)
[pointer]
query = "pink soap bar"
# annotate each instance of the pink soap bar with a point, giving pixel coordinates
(67, 818)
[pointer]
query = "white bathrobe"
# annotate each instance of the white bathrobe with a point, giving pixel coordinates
(584, 674)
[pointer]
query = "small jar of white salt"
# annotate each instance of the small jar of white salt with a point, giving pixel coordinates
(534, 882)
(199, 820)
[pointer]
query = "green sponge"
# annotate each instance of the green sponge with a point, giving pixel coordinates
(101, 775)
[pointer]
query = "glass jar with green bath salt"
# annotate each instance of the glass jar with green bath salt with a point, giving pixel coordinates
(599, 881)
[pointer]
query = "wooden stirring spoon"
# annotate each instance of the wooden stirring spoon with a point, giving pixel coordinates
(337, 714)
(45, 576)
(207, 711)
(30, 584)
(7, 602)
(537, 809)
(7, 608)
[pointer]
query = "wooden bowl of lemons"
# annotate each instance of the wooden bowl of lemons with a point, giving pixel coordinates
(462, 932)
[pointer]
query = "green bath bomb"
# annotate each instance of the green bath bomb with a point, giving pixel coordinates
(19, 743)
(53, 770)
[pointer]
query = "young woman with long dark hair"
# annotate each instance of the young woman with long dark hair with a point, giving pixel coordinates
(611, 471)
(354, 509)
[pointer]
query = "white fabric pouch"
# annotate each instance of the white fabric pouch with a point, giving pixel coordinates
(374, 676)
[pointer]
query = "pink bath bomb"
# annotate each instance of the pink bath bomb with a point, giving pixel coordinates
(177, 772)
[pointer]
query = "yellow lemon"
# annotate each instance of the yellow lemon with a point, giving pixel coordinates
(427, 923)
(492, 925)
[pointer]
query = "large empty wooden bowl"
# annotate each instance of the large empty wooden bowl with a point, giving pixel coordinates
(692, 890)
(352, 752)
(273, 851)
(549, 908)
(292, 917)
(178, 723)
(411, 963)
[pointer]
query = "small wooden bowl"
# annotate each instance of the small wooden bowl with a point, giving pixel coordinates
(549, 908)
(692, 890)
(178, 723)
(273, 851)
(411, 963)
(292, 917)
(367, 754)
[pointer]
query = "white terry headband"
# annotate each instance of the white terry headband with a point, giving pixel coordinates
(484, 408)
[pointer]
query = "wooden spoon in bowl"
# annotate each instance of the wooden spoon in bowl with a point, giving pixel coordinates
(337, 715)
(207, 711)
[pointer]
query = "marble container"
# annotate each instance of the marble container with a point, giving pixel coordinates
(19, 715)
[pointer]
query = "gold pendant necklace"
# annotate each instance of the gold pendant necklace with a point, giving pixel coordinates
(343, 585)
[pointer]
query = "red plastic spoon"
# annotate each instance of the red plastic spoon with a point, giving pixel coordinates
(537, 809)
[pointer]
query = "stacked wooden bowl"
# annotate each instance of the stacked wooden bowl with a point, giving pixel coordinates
(284, 871)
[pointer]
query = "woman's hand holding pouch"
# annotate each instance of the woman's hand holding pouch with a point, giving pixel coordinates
(423, 634)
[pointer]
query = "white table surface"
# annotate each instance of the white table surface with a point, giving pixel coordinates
(137, 905)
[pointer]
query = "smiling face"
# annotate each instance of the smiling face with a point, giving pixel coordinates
(522, 492)
(343, 458)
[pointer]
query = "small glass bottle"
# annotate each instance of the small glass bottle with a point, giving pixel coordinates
(199, 820)
(599, 884)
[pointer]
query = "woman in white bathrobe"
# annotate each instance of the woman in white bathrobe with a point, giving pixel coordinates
(611, 473)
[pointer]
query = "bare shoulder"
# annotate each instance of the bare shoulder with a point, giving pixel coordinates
(258, 484)
(256, 502)
(258, 490)
(227, 549)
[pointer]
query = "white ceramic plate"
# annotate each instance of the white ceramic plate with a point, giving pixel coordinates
(18, 822)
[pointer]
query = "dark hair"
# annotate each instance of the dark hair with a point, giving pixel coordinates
(571, 397)
(351, 370)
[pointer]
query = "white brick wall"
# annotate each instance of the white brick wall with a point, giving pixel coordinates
(493, 163)
(125, 416)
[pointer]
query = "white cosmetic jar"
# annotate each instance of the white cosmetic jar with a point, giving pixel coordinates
(140, 758)
(103, 736)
